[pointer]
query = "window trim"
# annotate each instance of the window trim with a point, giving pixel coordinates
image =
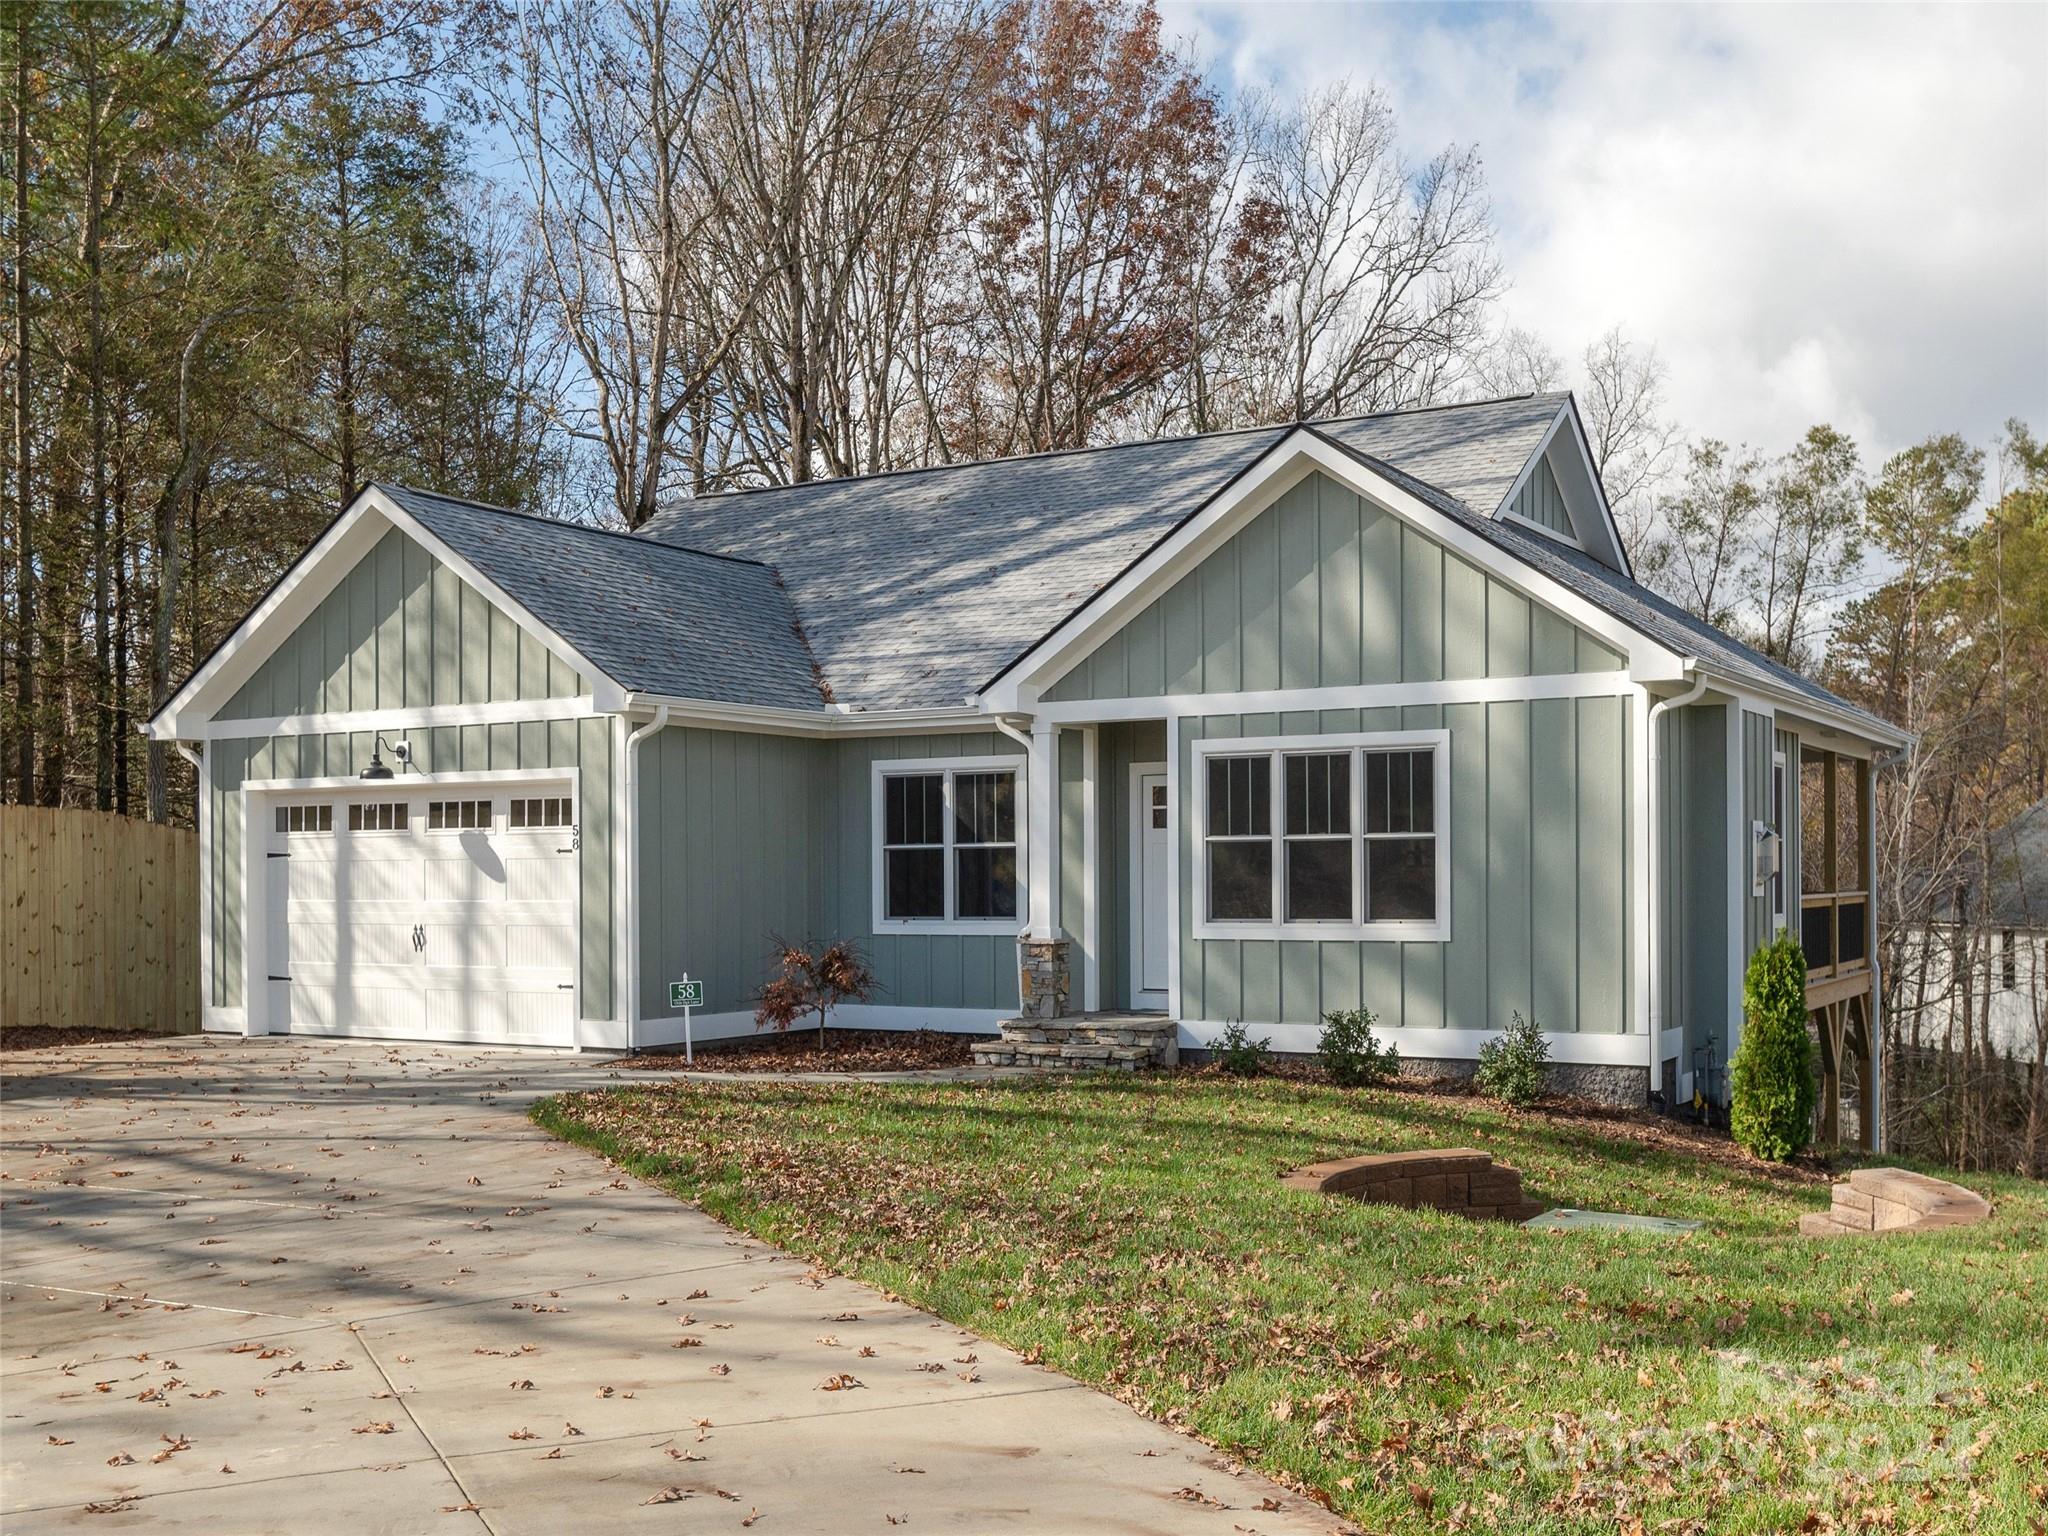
(1435, 930)
(882, 770)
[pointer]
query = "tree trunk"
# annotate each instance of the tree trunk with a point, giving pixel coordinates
(24, 501)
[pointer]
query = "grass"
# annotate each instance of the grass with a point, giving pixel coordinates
(1417, 1371)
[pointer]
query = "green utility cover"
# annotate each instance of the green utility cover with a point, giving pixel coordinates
(1610, 1221)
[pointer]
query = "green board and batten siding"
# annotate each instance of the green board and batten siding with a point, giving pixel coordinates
(1325, 590)
(1541, 501)
(1539, 829)
(748, 837)
(403, 631)
(1692, 878)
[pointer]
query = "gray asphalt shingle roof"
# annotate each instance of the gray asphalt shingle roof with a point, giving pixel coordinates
(917, 587)
(654, 617)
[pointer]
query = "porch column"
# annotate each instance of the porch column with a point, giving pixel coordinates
(1043, 975)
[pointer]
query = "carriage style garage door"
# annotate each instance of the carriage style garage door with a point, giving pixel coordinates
(447, 913)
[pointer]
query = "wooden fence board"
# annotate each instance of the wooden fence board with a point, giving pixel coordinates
(101, 921)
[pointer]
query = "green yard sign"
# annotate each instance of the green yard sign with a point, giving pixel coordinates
(686, 994)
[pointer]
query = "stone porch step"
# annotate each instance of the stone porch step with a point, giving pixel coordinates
(1083, 1043)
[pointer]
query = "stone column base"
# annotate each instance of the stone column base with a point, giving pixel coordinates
(1043, 980)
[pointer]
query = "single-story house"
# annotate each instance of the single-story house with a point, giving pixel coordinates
(1252, 725)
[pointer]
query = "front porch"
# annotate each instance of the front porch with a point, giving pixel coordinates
(1837, 932)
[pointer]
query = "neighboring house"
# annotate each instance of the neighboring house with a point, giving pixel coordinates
(1247, 726)
(1988, 972)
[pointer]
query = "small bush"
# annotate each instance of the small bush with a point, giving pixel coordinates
(1511, 1065)
(1238, 1053)
(1352, 1053)
(1770, 1082)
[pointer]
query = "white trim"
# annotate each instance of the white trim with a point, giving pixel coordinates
(1091, 868)
(1780, 797)
(1041, 856)
(1173, 990)
(223, 1021)
(1433, 931)
(256, 800)
(310, 579)
(1616, 554)
(1738, 878)
(832, 720)
(880, 924)
(1460, 690)
(1134, 939)
(1298, 454)
(202, 804)
(1423, 1043)
(626, 779)
(736, 1024)
(424, 718)
(1510, 515)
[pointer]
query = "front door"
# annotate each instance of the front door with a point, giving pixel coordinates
(1150, 872)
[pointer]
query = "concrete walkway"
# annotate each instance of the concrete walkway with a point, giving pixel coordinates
(301, 1286)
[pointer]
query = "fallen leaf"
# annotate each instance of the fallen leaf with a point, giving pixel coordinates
(668, 1495)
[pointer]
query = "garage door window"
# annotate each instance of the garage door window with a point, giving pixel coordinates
(458, 815)
(382, 816)
(547, 811)
(305, 818)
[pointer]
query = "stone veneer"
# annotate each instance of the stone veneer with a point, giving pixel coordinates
(1044, 982)
(1874, 1200)
(1455, 1179)
(1115, 1042)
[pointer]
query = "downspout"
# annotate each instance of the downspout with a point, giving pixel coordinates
(631, 813)
(1653, 919)
(202, 818)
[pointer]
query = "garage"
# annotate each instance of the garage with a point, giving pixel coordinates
(404, 909)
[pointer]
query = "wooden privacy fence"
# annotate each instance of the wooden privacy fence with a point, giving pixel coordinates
(101, 921)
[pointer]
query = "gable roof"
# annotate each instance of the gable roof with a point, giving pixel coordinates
(917, 586)
(654, 617)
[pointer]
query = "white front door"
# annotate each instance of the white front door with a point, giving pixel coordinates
(1151, 868)
(427, 914)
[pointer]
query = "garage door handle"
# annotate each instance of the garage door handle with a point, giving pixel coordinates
(419, 938)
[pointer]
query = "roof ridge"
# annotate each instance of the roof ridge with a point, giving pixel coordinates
(1135, 442)
(631, 536)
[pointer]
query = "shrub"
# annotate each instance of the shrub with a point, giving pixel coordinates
(1511, 1065)
(812, 984)
(1770, 1082)
(1238, 1053)
(1352, 1053)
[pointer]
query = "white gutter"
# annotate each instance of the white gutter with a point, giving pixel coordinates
(629, 814)
(833, 720)
(1653, 924)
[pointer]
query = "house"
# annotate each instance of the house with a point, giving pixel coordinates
(1244, 726)
(1981, 963)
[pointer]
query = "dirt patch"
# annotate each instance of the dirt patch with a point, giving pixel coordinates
(44, 1037)
(844, 1050)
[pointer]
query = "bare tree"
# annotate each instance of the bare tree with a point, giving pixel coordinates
(604, 103)
(1709, 527)
(1633, 442)
(1808, 541)
(827, 133)
(1387, 270)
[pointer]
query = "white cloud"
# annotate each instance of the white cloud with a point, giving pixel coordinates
(1816, 213)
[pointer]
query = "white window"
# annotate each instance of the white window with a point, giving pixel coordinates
(947, 846)
(305, 818)
(1323, 837)
(383, 816)
(550, 811)
(459, 815)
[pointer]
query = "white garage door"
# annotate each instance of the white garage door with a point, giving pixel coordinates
(447, 914)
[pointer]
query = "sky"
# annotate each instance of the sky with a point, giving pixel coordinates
(1815, 213)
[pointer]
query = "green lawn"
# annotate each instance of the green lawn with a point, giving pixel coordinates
(1419, 1371)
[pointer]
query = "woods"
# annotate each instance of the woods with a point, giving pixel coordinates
(585, 256)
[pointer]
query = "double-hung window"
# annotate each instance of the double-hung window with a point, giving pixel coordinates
(947, 846)
(1323, 837)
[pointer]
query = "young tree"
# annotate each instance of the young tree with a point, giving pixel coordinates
(1709, 524)
(813, 983)
(1808, 541)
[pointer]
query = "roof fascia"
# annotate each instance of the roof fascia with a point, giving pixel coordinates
(720, 715)
(1301, 452)
(309, 581)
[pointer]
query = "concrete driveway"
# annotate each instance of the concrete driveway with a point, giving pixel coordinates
(300, 1286)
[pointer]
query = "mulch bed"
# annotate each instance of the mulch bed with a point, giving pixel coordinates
(845, 1050)
(43, 1037)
